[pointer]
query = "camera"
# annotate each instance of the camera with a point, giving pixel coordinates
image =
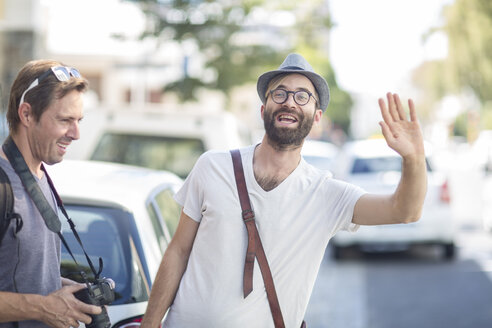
(99, 293)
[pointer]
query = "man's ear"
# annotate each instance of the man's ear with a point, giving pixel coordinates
(262, 111)
(318, 115)
(25, 113)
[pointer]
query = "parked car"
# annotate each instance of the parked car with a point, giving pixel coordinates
(372, 165)
(320, 154)
(125, 215)
(482, 151)
(156, 138)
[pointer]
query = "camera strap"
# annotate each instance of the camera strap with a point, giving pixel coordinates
(49, 216)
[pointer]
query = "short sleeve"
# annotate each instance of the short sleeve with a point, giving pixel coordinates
(346, 204)
(190, 195)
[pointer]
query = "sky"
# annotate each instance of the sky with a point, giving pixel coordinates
(375, 44)
(374, 47)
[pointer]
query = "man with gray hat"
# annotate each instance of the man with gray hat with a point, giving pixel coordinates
(297, 209)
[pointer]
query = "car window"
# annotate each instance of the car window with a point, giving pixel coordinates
(169, 209)
(376, 164)
(158, 228)
(105, 233)
(379, 164)
(177, 155)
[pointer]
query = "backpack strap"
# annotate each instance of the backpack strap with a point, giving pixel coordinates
(7, 206)
(255, 248)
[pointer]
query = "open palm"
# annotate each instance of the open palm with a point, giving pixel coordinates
(402, 134)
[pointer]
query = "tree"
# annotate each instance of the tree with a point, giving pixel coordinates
(238, 43)
(468, 66)
(469, 29)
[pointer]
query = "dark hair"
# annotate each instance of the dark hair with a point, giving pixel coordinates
(41, 96)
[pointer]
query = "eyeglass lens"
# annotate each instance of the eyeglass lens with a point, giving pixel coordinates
(300, 97)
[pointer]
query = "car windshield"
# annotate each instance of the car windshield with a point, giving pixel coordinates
(364, 165)
(105, 233)
(177, 155)
(376, 164)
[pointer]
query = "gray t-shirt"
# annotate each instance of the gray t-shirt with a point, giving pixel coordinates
(29, 261)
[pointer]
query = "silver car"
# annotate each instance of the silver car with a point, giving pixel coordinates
(125, 215)
(375, 167)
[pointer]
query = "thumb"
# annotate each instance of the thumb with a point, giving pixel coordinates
(75, 287)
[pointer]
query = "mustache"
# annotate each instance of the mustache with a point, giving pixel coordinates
(298, 114)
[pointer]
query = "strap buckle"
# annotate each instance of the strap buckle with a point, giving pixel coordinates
(248, 215)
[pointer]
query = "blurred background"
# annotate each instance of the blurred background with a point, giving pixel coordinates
(172, 78)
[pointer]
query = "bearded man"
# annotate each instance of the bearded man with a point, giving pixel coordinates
(297, 209)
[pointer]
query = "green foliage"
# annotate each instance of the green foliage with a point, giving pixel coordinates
(486, 116)
(237, 46)
(469, 30)
(216, 28)
(468, 66)
(460, 127)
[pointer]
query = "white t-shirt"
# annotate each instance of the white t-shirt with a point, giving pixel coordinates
(295, 222)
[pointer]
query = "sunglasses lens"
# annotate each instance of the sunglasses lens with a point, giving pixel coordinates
(75, 73)
(61, 73)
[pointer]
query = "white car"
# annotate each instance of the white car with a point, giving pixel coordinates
(375, 167)
(156, 138)
(125, 215)
(320, 154)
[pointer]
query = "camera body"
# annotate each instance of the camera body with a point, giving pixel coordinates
(99, 293)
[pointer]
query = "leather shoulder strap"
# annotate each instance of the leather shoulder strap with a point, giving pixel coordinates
(255, 248)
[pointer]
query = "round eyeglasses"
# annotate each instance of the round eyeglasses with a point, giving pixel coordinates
(62, 73)
(301, 97)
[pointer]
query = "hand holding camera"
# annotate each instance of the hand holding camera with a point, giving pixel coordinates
(100, 293)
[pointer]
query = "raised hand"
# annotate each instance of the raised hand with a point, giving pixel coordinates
(401, 134)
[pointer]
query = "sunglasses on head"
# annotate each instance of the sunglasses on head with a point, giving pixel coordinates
(62, 73)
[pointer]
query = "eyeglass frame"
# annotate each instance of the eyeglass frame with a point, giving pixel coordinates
(310, 94)
(62, 73)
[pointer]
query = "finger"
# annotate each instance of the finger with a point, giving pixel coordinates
(74, 324)
(391, 107)
(82, 317)
(74, 288)
(90, 309)
(413, 112)
(384, 111)
(84, 311)
(388, 135)
(399, 107)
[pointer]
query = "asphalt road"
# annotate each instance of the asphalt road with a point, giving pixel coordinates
(408, 289)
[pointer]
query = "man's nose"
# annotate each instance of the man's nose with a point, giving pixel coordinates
(290, 100)
(74, 131)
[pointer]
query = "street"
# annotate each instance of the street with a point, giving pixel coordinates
(414, 288)
(407, 289)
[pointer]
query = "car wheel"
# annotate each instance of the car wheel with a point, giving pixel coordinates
(449, 251)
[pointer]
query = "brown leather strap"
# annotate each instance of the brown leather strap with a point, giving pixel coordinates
(255, 248)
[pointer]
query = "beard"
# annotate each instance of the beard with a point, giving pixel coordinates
(283, 137)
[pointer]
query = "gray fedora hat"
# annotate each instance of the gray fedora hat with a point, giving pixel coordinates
(295, 63)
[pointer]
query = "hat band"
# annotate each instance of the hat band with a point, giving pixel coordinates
(293, 67)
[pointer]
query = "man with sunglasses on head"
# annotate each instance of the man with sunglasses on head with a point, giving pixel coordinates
(297, 209)
(44, 111)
